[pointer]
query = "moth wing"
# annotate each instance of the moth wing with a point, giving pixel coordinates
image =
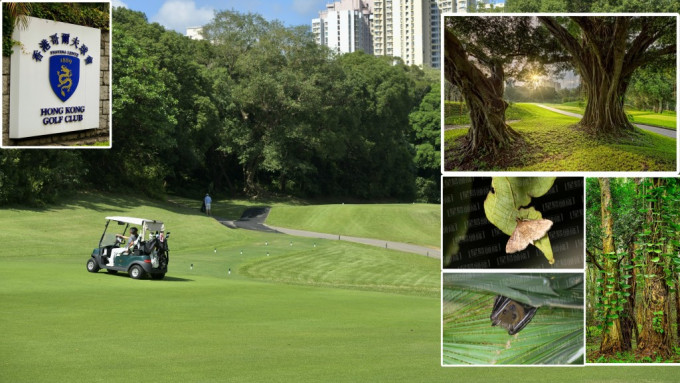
(537, 229)
(517, 242)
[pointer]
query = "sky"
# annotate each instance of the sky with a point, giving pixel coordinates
(180, 14)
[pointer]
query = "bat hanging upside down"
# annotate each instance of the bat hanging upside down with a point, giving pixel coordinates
(511, 315)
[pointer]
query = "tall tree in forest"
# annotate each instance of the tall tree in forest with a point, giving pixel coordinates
(612, 338)
(479, 52)
(655, 337)
(606, 51)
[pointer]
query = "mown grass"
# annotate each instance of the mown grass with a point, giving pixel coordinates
(666, 119)
(310, 302)
(554, 143)
(60, 323)
(410, 223)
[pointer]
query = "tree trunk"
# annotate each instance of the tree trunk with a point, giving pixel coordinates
(604, 114)
(484, 97)
(628, 324)
(677, 307)
(606, 53)
(612, 336)
(655, 337)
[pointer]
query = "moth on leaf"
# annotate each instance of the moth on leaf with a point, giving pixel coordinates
(511, 315)
(526, 232)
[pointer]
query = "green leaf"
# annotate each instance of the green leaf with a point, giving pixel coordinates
(503, 205)
(655, 259)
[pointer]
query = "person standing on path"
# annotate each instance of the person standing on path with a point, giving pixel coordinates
(207, 201)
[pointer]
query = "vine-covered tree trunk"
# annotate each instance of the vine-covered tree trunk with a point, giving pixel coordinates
(612, 337)
(628, 323)
(655, 337)
(484, 96)
(677, 306)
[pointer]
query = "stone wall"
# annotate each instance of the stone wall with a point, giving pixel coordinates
(87, 137)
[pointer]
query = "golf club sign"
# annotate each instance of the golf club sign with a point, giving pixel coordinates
(54, 79)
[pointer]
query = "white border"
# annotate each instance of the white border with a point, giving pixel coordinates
(557, 173)
(110, 49)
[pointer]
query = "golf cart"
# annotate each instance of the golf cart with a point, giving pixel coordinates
(148, 255)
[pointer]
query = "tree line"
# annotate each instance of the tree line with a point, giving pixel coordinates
(633, 263)
(254, 108)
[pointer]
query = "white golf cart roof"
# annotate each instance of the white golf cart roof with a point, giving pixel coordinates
(132, 220)
(146, 224)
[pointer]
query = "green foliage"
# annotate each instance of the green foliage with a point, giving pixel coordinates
(611, 6)
(653, 88)
(426, 138)
(37, 177)
(95, 15)
(657, 321)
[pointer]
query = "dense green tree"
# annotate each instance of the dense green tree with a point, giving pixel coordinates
(378, 101)
(144, 117)
(653, 88)
(425, 121)
(38, 176)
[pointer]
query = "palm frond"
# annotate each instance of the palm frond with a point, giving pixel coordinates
(554, 336)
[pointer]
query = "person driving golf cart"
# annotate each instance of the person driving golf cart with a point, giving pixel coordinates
(132, 242)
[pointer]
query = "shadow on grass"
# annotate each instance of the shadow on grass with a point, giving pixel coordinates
(122, 274)
(175, 279)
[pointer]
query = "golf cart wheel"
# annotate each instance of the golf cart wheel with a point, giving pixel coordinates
(136, 272)
(92, 265)
(158, 276)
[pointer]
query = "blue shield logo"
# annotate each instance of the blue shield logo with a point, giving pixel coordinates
(64, 75)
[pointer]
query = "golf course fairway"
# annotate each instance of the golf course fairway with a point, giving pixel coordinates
(351, 313)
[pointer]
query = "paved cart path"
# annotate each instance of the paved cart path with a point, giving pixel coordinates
(663, 131)
(254, 219)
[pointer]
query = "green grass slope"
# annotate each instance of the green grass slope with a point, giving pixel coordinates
(410, 223)
(553, 143)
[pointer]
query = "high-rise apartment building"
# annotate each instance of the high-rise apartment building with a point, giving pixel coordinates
(345, 26)
(462, 6)
(436, 9)
(409, 29)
